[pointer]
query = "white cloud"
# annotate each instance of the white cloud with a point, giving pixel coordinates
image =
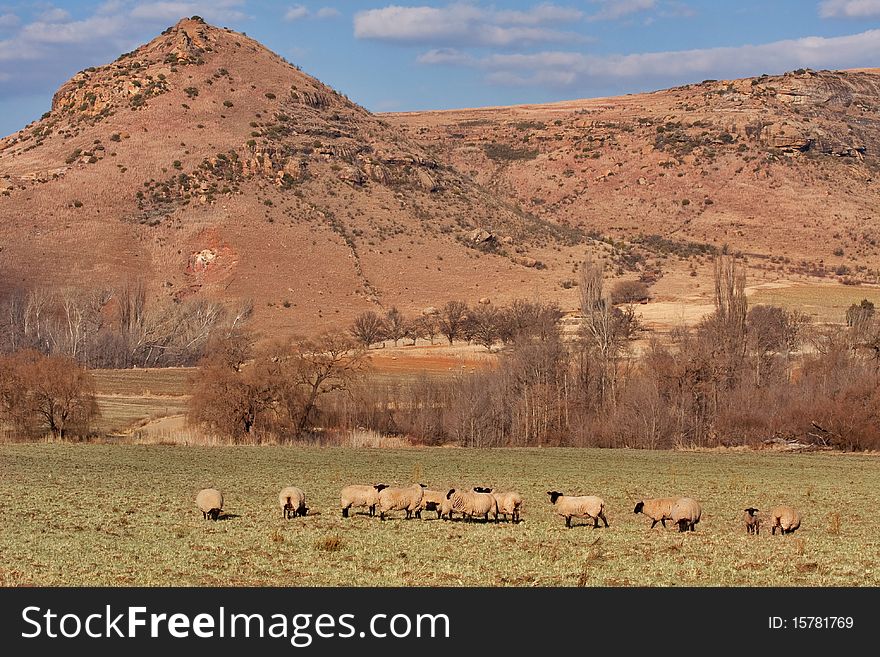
(299, 12)
(463, 24)
(614, 9)
(446, 56)
(54, 15)
(8, 21)
(849, 8)
(296, 12)
(574, 69)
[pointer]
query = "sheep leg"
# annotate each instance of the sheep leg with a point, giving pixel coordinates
(345, 512)
(663, 522)
(604, 519)
(595, 523)
(568, 521)
(654, 523)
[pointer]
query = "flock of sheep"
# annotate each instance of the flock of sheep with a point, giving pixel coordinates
(482, 502)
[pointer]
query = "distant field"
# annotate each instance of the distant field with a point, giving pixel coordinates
(821, 302)
(125, 515)
(129, 398)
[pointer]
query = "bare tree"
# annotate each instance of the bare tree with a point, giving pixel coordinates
(452, 319)
(606, 330)
(394, 325)
(486, 325)
(367, 328)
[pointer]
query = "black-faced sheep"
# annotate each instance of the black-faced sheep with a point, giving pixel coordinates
(360, 496)
(478, 502)
(686, 513)
(784, 518)
(658, 509)
(210, 502)
(432, 500)
(400, 499)
(293, 502)
(509, 505)
(582, 506)
(752, 521)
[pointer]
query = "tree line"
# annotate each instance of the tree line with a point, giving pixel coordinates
(740, 376)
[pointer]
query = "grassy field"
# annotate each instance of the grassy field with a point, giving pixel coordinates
(823, 303)
(128, 399)
(125, 515)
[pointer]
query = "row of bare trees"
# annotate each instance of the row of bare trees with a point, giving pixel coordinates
(485, 324)
(114, 328)
(741, 376)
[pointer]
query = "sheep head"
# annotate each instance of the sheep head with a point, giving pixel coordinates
(554, 495)
(639, 507)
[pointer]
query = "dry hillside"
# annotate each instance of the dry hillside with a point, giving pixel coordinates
(785, 169)
(204, 164)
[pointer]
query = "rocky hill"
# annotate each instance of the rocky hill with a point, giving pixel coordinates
(204, 164)
(784, 169)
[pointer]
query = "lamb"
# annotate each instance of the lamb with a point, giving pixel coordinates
(361, 496)
(584, 506)
(752, 521)
(658, 509)
(478, 502)
(210, 501)
(784, 518)
(400, 499)
(432, 500)
(686, 513)
(509, 504)
(293, 502)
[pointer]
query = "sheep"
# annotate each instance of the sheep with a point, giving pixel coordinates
(400, 499)
(784, 518)
(509, 504)
(752, 521)
(293, 502)
(358, 495)
(686, 513)
(432, 500)
(584, 506)
(658, 509)
(210, 501)
(478, 502)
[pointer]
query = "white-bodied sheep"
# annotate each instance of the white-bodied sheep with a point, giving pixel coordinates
(478, 502)
(784, 518)
(360, 496)
(509, 505)
(752, 521)
(432, 500)
(686, 513)
(400, 499)
(210, 501)
(583, 506)
(293, 502)
(658, 509)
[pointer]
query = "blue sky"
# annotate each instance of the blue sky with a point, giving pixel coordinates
(395, 56)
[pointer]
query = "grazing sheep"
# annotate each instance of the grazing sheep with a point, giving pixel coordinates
(752, 520)
(657, 509)
(584, 506)
(509, 505)
(686, 513)
(432, 500)
(784, 518)
(400, 499)
(210, 501)
(478, 502)
(293, 502)
(358, 495)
